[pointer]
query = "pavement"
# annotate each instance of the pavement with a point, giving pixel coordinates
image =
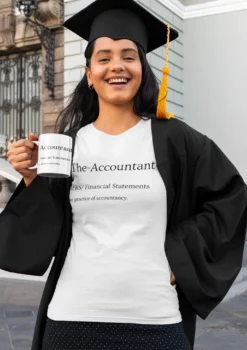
(19, 302)
(224, 329)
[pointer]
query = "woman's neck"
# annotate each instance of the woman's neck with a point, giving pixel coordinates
(116, 119)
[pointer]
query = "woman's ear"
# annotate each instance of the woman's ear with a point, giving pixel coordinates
(88, 74)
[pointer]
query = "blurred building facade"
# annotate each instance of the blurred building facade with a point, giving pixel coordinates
(25, 102)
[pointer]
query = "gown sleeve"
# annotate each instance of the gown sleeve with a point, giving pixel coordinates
(30, 228)
(205, 251)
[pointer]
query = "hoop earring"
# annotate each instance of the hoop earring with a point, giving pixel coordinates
(90, 87)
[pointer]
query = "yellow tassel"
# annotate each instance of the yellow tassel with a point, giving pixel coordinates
(161, 112)
(161, 108)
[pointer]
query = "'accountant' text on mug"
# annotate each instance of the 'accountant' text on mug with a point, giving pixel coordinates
(59, 148)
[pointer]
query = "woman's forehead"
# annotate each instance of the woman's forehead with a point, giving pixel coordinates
(106, 43)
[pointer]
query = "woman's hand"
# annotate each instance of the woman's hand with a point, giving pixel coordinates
(173, 279)
(23, 154)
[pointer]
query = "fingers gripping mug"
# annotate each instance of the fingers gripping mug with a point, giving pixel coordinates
(55, 155)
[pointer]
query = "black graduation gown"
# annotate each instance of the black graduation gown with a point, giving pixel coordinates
(207, 213)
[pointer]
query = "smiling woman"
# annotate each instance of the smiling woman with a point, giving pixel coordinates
(141, 248)
(115, 72)
(108, 59)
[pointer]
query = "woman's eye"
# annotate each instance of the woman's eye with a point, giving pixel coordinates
(104, 60)
(108, 59)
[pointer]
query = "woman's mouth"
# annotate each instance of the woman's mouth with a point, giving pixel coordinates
(120, 82)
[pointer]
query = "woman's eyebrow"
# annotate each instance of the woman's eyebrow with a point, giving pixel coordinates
(109, 51)
(129, 49)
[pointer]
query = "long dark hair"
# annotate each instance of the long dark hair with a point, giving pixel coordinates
(83, 106)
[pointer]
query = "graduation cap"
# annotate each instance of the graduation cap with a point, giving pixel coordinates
(126, 19)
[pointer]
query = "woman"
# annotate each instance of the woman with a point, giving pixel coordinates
(139, 184)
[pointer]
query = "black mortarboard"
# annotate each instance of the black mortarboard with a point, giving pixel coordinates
(123, 19)
(120, 19)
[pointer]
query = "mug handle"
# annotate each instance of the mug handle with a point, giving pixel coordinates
(35, 166)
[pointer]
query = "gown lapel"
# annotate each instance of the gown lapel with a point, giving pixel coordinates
(160, 133)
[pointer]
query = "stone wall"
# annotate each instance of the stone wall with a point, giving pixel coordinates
(52, 107)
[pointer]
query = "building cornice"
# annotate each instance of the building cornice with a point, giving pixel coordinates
(206, 9)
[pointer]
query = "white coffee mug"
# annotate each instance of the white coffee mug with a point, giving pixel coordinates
(54, 156)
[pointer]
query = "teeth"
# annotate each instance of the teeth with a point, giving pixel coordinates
(112, 81)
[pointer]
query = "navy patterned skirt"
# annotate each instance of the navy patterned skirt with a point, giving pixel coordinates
(68, 335)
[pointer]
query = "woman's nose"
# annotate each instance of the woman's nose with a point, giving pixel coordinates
(117, 66)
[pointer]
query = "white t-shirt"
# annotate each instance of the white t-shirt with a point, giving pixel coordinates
(116, 268)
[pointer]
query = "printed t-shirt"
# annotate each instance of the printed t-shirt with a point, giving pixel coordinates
(116, 268)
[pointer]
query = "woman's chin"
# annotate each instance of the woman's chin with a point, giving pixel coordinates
(120, 100)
